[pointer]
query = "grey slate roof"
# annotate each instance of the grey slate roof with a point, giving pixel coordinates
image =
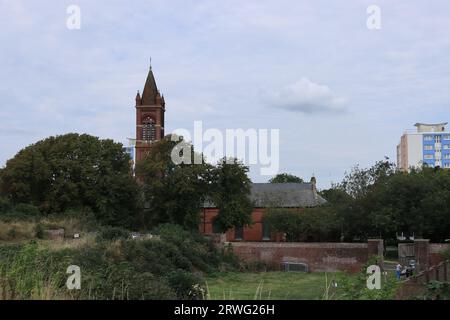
(282, 195)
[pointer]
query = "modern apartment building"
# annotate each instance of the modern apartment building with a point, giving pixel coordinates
(429, 145)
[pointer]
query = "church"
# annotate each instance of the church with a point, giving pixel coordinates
(150, 120)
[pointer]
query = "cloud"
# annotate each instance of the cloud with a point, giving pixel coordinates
(307, 97)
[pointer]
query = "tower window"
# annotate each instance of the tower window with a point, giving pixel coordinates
(148, 129)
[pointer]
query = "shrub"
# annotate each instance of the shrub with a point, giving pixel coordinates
(24, 209)
(112, 234)
(157, 268)
(355, 288)
(437, 291)
(5, 205)
(446, 254)
(39, 231)
(186, 285)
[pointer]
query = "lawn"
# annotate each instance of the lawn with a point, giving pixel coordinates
(272, 285)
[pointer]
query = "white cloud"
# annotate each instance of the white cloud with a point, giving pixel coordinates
(307, 97)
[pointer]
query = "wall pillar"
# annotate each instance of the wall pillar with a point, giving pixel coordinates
(375, 247)
(422, 253)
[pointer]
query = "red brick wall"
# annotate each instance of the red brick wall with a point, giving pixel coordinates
(349, 257)
(435, 252)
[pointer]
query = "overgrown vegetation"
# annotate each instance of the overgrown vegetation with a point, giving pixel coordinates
(437, 290)
(170, 266)
(355, 288)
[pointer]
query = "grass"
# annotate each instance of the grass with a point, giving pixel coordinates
(273, 285)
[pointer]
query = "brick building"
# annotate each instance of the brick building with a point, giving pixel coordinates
(298, 196)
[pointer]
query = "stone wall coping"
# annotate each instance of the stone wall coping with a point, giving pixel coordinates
(333, 245)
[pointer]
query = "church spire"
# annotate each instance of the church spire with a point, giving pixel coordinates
(150, 89)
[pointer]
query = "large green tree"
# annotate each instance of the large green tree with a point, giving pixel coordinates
(173, 191)
(176, 181)
(73, 171)
(230, 192)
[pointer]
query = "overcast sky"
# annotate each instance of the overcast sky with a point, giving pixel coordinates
(340, 94)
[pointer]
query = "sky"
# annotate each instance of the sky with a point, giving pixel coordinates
(340, 93)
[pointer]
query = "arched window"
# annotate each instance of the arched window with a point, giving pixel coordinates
(148, 129)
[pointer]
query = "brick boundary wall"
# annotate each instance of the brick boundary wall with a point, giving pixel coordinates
(430, 266)
(416, 285)
(435, 253)
(318, 257)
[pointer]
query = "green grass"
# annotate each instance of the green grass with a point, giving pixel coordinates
(272, 285)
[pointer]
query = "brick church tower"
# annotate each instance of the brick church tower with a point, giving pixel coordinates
(150, 110)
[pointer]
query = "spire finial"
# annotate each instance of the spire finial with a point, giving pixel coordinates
(150, 63)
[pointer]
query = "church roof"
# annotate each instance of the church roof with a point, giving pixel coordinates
(282, 195)
(150, 90)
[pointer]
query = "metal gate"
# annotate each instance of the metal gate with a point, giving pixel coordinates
(405, 253)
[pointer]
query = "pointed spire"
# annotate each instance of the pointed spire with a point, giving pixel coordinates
(150, 89)
(138, 98)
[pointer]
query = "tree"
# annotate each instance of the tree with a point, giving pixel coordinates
(174, 193)
(73, 171)
(311, 224)
(358, 182)
(285, 178)
(230, 192)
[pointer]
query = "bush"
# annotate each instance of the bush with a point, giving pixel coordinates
(29, 210)
(437, 291)
(201, 252)
(112, 234)
(5, 205)
(39, 231)
(355, 288)
(446, 254)
(20, 212)
(186, 285)
(156, 268)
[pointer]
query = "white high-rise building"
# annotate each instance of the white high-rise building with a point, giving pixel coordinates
(429, 145)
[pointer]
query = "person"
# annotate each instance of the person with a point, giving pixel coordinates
(398, 271)
(404, 272)
(408, 272)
